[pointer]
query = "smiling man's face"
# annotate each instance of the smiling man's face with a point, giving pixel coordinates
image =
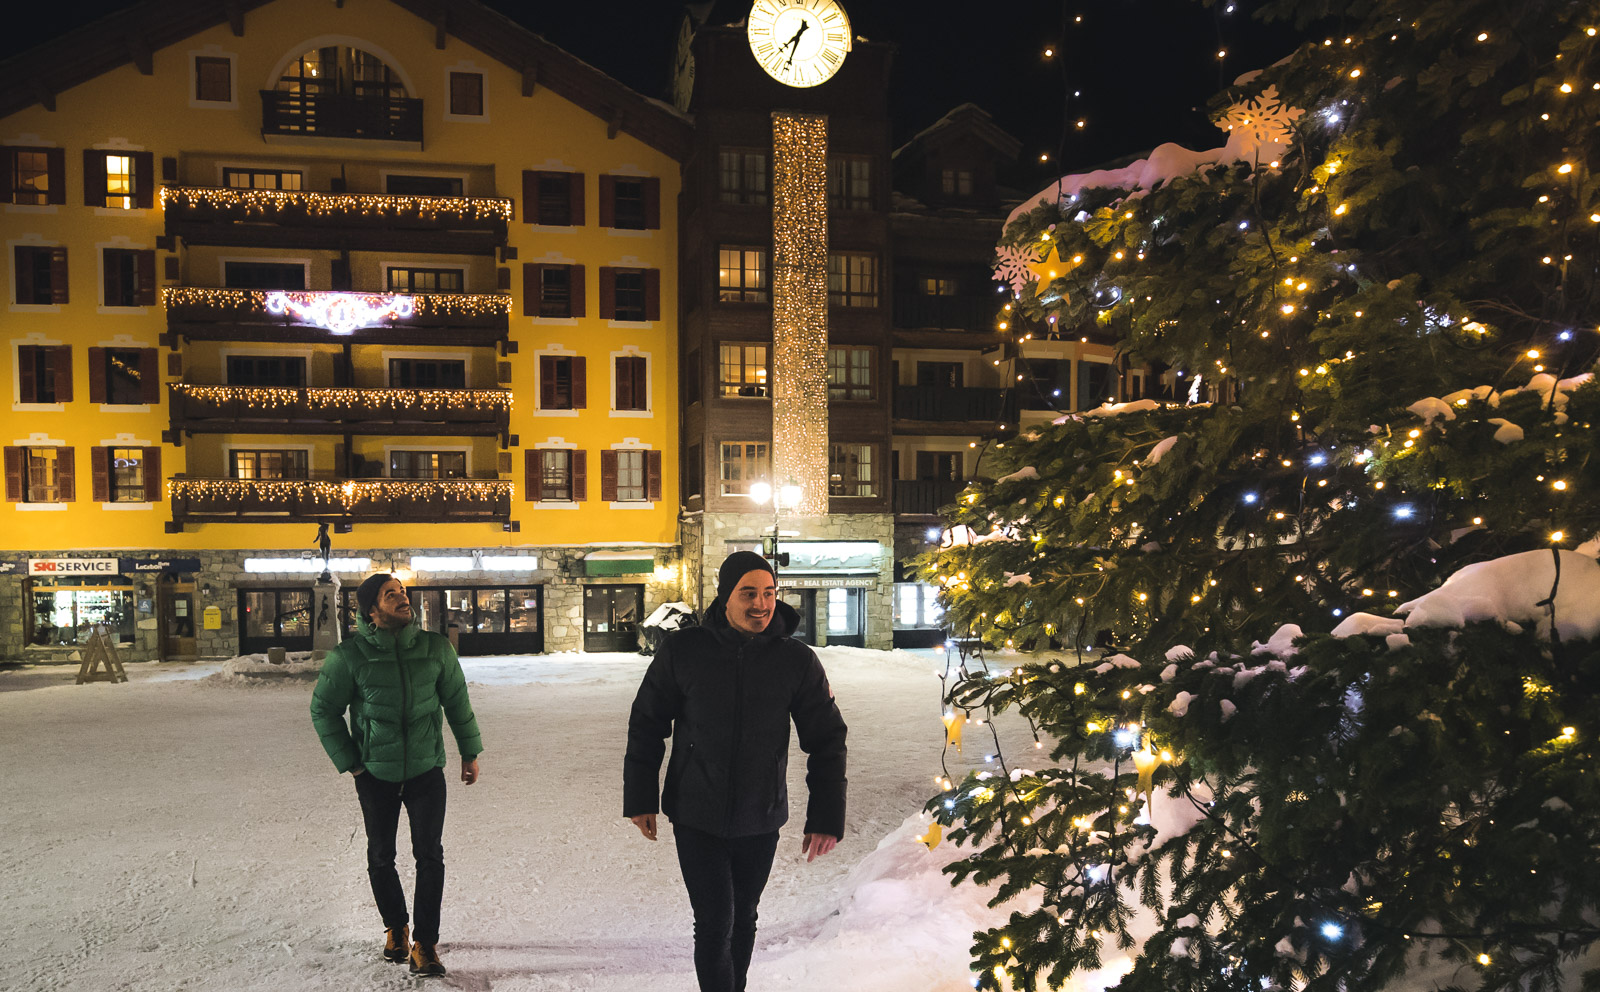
(392, 610)
(753, 599)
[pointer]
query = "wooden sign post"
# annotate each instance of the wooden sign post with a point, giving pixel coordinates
(101, 649)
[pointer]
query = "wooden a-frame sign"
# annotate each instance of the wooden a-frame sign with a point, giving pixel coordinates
(101, 650)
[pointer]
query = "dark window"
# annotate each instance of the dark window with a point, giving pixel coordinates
(44, 373)
(850, 374)
(422, 185)
(631, 477)
(129, 277)
(742, 177)
(427, 373)
(266, 370)
(409, 280)
(743, 369)
(630, 295)
(693, 473)
(629, 209)
(556, 377)
(554, 199)
(264, 275)
(1048, 384)
(1097, 384)
(631, 391)
(741, 275)
(691, 378)
(427, 464)
(466, 94)
(261, 179)
(555, 291)
(555, 471)
(937, 286)
(850, 183)
(852, 279)
(957, 182)
(43, 478)
(213, 79)
(944, 465)
(127, 475)
(38, 175)
(267, 464)
(41, 275)
(949, 375)
(124, 376)
(850, 470)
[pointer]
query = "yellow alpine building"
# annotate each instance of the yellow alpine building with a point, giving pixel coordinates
(393, 278)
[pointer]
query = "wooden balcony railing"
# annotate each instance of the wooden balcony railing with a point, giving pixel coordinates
(953, 404)
(921, 311)
(345, 501)
(200, 409)
(203, 313)
(324, 115)
(925, 497)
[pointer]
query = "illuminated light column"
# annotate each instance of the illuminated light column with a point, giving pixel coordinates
(800, 307)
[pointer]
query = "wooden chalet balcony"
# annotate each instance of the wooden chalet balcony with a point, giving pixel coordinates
(278, 501)
(923, 311)
(328, 115)
(925, 497)
(275, 218)
(204, 314)
(200, 409)
(952, 405)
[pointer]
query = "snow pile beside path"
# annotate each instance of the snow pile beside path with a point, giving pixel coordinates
(295, 663)
(1514, 589)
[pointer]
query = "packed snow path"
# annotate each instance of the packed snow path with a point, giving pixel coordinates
(188, 832)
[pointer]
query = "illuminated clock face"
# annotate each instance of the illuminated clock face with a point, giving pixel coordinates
(799, 42)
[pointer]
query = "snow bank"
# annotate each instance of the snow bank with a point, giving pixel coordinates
(1513, 589)
(295, 663)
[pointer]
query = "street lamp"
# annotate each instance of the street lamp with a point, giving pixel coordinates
(787, 497)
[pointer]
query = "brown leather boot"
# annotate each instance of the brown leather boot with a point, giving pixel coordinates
(425, 960)
(396, 946)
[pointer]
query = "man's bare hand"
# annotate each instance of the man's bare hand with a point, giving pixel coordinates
(469, 770)
(816, 845)
(646, 822)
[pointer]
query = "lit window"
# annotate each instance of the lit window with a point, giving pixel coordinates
(119, 181)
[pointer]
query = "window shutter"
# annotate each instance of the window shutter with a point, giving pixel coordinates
(580, 475)
(608, 476)
(144, 179)
(577, 200)
(149, 376)
(63, 373)
(58, 274)
(169, 169)
(97, 375)
(94, 178)
(652, 294)
(623, 379)
(652, 461)
(27, 367)
(8, 178)
(531, 286)
(533, 474)
(547, 382)
(56, 164)
(145, 265)
(652, 204)
(580, 384)
(152, 475)
(608, 293)
(100, 474)
(14, 462)
(66, 476)
(608, 201)
(530, 196)
(575, 282)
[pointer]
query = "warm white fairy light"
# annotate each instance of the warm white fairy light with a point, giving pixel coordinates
(268, 202)
(255, 301)
(324, 397)
(347, 494)
(800, 306)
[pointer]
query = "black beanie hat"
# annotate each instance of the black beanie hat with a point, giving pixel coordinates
(735, 567)
(367, 594)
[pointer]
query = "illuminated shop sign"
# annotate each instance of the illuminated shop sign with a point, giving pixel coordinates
(340, 313)
(109, 566)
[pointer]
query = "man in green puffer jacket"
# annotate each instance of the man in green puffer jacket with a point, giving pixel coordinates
(395, 678)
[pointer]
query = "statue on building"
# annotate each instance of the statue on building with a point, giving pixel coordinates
(325, 543)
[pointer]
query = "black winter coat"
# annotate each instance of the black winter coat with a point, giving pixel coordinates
(727, 698)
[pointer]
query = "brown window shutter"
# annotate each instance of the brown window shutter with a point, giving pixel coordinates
(652, 294)
(28, 370)
(66, 476)
(530, 196)
(578, 219)
(8, 178)
(608, 293)
(63, 372)
(580, 384)
(533, 475)
(531, 272)
(149, 376)
(111, 285)
(547, 382)
(169, 266)
(152, 475)
(145, 265)
(623, 379)
(56, 165)
(14, 458)
(175, 364)
(100, 474)
(97, 375)
(580, 475)
(575, 281)
(608, 476)
(144, 180)
(169, 169)
(652, 461)
(608, 201)
(58, 274)
(502, 278)
(652, 204)
(94, 178)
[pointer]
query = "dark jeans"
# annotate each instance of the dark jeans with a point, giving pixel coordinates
(724, 876)
(423, 798)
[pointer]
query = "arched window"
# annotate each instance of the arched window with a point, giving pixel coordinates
(340, 70)
(340, 91)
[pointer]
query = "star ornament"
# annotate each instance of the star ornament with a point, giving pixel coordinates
(1046, 270)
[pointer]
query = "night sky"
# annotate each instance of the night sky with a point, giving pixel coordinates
(1145, 68)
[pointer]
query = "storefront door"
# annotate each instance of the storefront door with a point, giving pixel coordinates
(175, 606)
(843, 618)
(611, 616)
(804, 602)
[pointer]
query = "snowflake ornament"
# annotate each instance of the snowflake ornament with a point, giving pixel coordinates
(1263, 123)
(1014, 265)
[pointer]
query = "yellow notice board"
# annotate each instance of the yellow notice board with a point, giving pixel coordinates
(212, 618)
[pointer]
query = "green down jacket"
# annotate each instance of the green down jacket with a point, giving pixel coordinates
(395, 685)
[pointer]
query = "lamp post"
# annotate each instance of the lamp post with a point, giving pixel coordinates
(787, 497)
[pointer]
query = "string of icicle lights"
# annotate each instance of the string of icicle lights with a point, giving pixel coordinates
(323, 397)
(349, 494)
(268, 202)
(255, 301)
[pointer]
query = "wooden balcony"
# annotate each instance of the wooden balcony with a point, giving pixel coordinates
(952, 410)
(326, 115)
(199, 409)
(204, 314)
(925, 497)
(293, 501)
(274, 218)
(923, 311)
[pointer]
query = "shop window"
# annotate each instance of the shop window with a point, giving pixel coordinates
(407, 464)
(742, 177)
(39, 275)
(916, 605)
(852, 279)
(427, 373)
(742, 463)
(743, 369)
(850, 374)
(742, 275)
(851, 470)
(65, 615)
(273, 615)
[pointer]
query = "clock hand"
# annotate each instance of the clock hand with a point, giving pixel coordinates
(794, 43)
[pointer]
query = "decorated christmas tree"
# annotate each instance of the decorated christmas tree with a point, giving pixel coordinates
(1309, 762)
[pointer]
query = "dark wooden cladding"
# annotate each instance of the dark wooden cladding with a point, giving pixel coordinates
(398, 411)
(407, 334)
(395, 501)
(322, 115)
(947, 404)
(925, 497)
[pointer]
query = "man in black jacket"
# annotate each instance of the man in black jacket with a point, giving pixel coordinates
(726, 692)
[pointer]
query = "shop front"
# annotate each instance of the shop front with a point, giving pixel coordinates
(65, 600)
(498, 618)
(828, 582)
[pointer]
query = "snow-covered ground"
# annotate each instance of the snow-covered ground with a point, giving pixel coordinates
(185, 831)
